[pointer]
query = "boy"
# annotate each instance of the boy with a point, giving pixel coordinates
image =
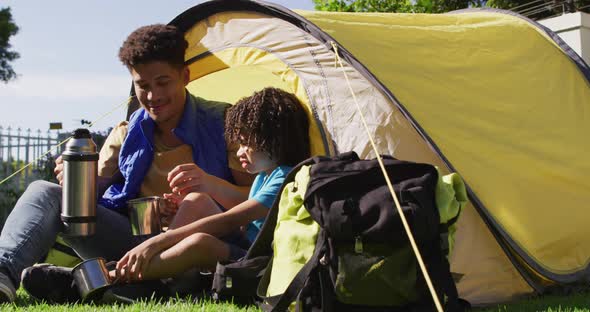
(271, 127)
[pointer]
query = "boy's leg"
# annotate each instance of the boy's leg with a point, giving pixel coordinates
(198, 250)
(30, 229)
(193, 207)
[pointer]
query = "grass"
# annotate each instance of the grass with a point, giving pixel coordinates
(26, 303)
(579, 302)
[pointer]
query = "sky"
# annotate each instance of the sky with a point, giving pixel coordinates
(68, 68)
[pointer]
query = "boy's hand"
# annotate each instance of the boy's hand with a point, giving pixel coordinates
(134, 262)
(187, 178)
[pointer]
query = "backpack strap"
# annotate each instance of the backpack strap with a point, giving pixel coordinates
(262, 245)
(282, 302)
(440, 271)
(239, 279)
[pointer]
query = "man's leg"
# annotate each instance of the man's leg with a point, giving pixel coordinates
(30, 230)
(113, 237)
(111, 241)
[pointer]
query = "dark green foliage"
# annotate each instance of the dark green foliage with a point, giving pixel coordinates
(7, 28)
(399, 6)
(534, 9)
(9, 194)
(539, 9)
(12, 189)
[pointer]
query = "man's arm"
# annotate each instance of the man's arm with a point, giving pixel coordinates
(108, 159)
(103, 183)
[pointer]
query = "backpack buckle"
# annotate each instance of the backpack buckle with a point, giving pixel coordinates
(358, 245)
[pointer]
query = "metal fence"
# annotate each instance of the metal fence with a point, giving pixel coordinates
(20, 147)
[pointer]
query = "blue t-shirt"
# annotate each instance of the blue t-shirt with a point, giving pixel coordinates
(264, 190)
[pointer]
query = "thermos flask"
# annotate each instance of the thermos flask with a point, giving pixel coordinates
(79, 191)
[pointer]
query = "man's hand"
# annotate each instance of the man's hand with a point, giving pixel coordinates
(169, 208)
(173, 199)
(188, 178)
(59, 170)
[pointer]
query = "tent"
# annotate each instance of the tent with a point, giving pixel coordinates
(493, 96)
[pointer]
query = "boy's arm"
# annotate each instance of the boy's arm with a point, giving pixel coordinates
(187, 178)
(222, 224)
(218, 225)
(223, 192)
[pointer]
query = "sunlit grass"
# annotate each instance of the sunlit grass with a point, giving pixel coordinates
(579, 302)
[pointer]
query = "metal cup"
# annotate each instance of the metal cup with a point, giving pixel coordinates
(92, 278)
(144, 215)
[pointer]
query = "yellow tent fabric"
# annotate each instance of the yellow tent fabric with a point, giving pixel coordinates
(504, 104)
(487, 94)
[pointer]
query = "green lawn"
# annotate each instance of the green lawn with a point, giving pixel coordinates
(25, 303)
(573, 303)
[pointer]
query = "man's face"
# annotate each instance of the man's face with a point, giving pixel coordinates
(160, 88)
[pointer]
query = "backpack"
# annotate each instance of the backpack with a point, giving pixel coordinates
(338, 244)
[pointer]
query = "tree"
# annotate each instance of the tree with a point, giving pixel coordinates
(534, 9)
(539, 9)
(7, 28)
(399, 6)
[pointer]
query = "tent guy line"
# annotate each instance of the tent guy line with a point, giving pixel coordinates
(338, 61)
(53, 149)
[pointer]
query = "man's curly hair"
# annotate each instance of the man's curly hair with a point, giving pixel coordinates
(272, 121)
(151, 43)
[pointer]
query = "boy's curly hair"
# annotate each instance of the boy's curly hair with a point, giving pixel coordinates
(150, 43)
(272, 121)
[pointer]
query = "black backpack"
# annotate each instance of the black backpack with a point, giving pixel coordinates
(362, 260)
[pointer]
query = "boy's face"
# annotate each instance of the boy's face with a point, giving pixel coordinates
(160, 88)
(255, 161)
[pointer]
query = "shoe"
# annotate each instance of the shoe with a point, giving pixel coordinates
(7, 289)
(50, 283)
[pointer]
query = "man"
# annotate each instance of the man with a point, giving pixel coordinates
(172, 128)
